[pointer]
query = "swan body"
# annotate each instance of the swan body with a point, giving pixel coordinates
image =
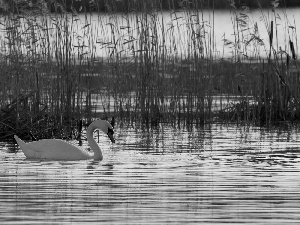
(56, 149)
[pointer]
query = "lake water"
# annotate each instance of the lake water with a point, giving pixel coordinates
(179, 33)
(215, 174)
(169, 33)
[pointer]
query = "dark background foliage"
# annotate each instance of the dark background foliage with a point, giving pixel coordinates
(136, 5)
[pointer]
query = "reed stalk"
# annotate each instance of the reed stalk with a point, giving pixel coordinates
(145, 63)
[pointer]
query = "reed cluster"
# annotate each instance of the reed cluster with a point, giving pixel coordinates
(136, 65)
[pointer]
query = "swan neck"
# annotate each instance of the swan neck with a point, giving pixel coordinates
(93, 144)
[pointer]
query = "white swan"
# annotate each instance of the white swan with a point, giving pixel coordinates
(56, 149)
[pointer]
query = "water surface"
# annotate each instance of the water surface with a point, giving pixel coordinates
(176, 33)
(210, 175)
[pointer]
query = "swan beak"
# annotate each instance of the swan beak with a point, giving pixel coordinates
(110, 134)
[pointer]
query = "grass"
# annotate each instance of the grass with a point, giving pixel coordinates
(54, 74)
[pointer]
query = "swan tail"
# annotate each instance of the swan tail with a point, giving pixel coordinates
(19, 141)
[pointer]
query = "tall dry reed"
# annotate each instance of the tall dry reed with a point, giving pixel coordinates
(139, 64)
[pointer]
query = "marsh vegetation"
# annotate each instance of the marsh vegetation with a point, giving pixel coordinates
(60, 67)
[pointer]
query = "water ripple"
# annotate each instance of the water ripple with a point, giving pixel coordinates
(215, 174)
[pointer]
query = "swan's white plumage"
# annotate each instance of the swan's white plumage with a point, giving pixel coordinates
(56, 149)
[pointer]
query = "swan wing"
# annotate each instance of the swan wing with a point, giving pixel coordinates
(53, 149)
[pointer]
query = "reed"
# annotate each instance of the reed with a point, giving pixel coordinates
(77, 64)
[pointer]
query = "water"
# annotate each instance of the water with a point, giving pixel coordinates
(176, 32)
(215, 174)
(104, 35)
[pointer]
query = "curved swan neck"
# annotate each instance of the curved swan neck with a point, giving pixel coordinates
(93, 144)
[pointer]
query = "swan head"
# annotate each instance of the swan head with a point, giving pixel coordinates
(105, 126)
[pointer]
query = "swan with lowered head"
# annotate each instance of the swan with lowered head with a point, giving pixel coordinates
(56, 149)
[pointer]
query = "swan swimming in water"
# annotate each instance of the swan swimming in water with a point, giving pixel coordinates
(56, 149)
